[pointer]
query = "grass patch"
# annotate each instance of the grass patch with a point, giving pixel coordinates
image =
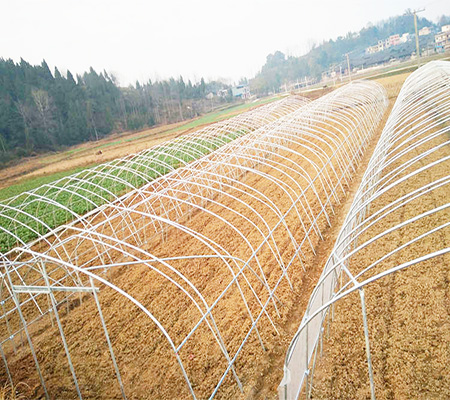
(393, 73)
(32, 183)
(222, 114)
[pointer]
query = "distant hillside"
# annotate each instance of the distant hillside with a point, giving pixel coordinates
(280, 69)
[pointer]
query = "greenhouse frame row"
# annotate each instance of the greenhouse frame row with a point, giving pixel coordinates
(398, 225)
(180, 284)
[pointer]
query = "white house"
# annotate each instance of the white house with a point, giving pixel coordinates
(372, 49)
(241, 91)
(442, 41)
(222, 93)
(404, 38)
(425, 31)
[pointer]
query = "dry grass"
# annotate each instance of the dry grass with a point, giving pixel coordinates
(393, 84)
(408, 312)
(150, 380)
(8, 392)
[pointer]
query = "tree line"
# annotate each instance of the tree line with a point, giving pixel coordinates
(41, 111)
(280, 69)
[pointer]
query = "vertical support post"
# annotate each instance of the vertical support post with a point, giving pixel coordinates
(417, 35)
(105, 329)
(348, 66)
(417, 39)
(313, 368)
(366, 337)
(322, 330)
(8, 326)
(63, 337)
(307, 362)
(30, 343)
(50, 310)
(6, 367)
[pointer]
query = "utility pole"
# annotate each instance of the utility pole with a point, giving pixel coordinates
(415, 12)
(348, 66)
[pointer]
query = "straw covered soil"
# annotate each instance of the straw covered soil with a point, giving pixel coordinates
(239, 213)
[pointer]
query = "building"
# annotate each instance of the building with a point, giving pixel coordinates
(442, 41)
(222, 93)
(372, 49)
(381, 45)
(394, 40)
(445, 28)
(376, 48)
(405, 38)
(424, 31)
(241, 91)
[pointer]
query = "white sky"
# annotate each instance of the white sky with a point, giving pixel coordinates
(137, 39)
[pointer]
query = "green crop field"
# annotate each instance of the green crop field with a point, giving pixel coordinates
(32, 208)
(33, 183)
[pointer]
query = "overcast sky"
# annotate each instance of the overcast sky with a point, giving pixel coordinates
(137, 39)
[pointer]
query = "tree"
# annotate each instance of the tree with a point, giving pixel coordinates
(45, 120)
(25, 113)
(202, 88)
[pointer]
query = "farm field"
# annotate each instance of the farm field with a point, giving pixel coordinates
(217, 215)
(39, 170)
(402, 241)
(111, 147)
(200, 201)
(34, 213)
(268, 383)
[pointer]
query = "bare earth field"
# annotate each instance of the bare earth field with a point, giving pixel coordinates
(147, 364)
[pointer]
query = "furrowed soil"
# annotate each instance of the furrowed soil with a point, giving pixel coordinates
(148, 364)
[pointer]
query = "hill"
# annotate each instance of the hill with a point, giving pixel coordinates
(280, 69)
